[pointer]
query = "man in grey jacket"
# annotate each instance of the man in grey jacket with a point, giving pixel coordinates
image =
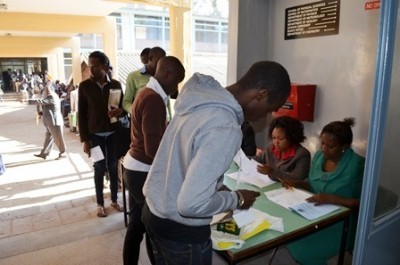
(183, 188)
(50, 110)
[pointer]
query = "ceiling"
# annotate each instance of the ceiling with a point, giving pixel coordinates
(61, 7)
(65, 7)
(70, 7)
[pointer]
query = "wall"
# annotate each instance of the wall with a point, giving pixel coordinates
(248, 43)
(342, 66)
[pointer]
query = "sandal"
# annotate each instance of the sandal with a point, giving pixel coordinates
(101, 211)
(117, 207)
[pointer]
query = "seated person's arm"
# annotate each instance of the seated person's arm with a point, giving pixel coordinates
(291, 183)
(260, 155)
(299, 172)
(356, 185)
(334, 199)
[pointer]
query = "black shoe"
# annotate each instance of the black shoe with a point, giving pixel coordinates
(41, 156)
(61, 156)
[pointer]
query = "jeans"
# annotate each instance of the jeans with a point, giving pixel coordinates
(134, 181)
(109, 163)
(168, 252)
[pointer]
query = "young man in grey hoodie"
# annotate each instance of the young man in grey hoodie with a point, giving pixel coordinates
(183, 188)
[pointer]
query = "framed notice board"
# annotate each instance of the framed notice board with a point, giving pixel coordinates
(312, 20)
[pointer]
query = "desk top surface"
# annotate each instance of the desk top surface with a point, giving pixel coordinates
(294, 224)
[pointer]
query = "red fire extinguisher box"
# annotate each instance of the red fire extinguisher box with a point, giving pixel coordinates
(300, 103)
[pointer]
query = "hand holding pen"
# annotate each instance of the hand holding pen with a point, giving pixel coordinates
(287, 184)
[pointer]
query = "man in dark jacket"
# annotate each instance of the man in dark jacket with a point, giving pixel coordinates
(99, 106)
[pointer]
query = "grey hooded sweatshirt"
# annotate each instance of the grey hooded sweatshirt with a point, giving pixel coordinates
(196, 150)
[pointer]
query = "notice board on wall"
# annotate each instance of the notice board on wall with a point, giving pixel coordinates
(312, 20)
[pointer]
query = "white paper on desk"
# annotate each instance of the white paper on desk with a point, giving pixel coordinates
(243, 217)
(310, 211)
(253, 216)
(113, 101)
(254, 180)
(295, 200)
(276, 222)
(221, 217)
(248, 173)
(96, 154)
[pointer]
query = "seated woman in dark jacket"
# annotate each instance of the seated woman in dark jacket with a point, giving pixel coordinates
(285, 157)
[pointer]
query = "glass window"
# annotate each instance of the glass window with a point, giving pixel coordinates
(389, 181)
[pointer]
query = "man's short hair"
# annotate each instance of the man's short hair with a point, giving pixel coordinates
(101, 56)
(158, 50)
(267, 75)
(145, 52)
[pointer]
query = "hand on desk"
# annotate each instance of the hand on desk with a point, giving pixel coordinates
(290, 184)
(322, 199)
(249, 198)
(265, 169)
(287, 183)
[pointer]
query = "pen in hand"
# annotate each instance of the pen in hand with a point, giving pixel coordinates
(285, 184)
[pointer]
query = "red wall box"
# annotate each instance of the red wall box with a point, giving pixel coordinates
(300, 103)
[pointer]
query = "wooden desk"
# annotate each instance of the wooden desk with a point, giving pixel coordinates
(295, 227)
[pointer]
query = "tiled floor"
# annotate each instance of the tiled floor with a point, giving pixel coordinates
(47, 207)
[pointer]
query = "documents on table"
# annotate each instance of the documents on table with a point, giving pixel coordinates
(295, 200)
(248, 217)
(248, 173)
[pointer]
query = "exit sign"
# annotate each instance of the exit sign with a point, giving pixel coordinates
(372, 5)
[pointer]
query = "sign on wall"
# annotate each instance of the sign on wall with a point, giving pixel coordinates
(312, 20)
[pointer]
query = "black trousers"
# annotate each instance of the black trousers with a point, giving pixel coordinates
(134, 181)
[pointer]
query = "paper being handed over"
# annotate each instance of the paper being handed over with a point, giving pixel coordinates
(295, 200)
(248, 173)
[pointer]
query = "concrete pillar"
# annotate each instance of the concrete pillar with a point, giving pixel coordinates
(180, 22)
(59, 73)
(76, 60)
(110, 42)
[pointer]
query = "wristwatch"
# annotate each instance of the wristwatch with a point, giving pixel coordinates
(240, 201)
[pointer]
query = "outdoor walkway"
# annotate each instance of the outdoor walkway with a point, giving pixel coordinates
(48, 207)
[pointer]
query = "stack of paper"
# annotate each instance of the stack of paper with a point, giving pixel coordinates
(248, 173)
(295, 200)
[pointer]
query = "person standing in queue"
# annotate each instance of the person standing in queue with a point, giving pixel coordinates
(183, 189)
(149, 121)
(98, 122)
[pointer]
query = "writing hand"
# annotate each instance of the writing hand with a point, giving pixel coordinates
(318, 199)
(287, 184)
(249, 198)
(264, 169)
